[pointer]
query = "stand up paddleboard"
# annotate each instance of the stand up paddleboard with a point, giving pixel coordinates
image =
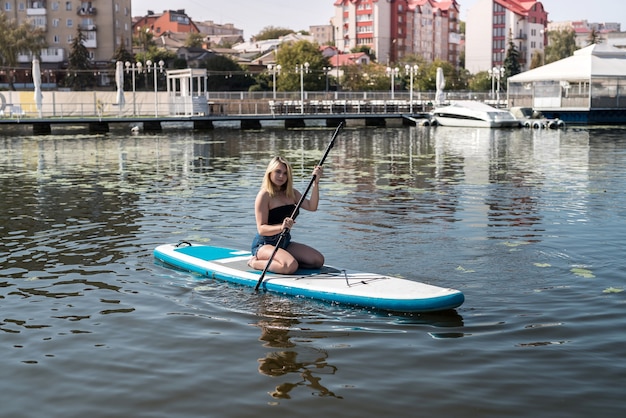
(329, 284)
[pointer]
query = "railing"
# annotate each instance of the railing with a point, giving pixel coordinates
(68, 104)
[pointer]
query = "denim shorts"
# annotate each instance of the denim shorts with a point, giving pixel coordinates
(260, 240)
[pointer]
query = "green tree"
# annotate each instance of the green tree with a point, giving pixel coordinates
(194, 40)
(143, 38)
(79, 74)
(536, 60)
(594, 37)
(511, 61)
(368, 77)
(225, 74)
(293, 56)
(481, 81)
(18, 39)
(272, 32)
(561, 44)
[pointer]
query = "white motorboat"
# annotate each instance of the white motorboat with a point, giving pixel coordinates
(474, 115)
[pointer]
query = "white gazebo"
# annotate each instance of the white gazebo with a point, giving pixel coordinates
(187, 92)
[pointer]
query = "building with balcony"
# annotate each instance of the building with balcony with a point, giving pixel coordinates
(490, 24)
(174, 21)
(106, 25)
(397, 28)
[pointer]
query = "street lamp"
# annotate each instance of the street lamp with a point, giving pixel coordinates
(412, 71)
(393, 72)
(275, 70)
(302, 68)
(131, 67)
(156, 100)
(326, 71)
(496, 73)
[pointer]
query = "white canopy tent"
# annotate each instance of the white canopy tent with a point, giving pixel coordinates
(594, 77)
(596, 60)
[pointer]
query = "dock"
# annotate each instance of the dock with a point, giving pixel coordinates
(99, 125)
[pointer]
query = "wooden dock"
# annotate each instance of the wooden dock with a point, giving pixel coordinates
(43, 126)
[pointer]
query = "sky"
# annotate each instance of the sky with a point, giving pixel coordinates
(254, 15)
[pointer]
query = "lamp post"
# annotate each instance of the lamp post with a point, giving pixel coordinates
(154, 67)
(392, 72)
(134, 68)
(326, 71)
(302, 68)
(275, 70)
(496, 73)
(412, 71)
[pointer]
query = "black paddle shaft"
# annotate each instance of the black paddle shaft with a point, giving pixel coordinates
(297, 208)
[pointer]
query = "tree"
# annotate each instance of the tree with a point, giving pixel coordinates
(561, 44)
(291, 57)
(367, 77)
(225, 74)
(79, 74)
(536, 60)
(194, 40)
(594, 37)
(271, 32)
(18, 39)
(144, 38)
(511, 61)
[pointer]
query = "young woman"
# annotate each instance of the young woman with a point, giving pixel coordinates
(273, 208)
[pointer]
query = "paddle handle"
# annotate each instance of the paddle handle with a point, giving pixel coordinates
(298, 205)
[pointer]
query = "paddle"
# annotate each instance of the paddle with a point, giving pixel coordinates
(297, 208)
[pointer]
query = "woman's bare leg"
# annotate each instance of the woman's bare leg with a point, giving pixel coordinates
(307, 257)
(282, 263)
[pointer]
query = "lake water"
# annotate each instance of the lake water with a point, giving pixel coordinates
(528, 224)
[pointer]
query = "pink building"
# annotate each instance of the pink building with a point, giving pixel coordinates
(395, 29)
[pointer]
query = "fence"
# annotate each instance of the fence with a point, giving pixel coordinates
(103, 104)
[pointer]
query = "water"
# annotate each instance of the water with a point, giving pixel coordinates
(528, 224)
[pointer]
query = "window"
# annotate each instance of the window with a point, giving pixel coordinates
(69, 23)
(55, 6)
(55, 39)
(7, 6)
(68, 5)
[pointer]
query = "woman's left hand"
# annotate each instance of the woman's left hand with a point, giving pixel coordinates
(317, 172)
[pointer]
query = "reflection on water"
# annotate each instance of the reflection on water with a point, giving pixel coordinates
(304, 367)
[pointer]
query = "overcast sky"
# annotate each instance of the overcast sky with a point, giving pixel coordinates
(254, 15)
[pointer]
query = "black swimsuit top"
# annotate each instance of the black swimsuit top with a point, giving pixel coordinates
(278, 215)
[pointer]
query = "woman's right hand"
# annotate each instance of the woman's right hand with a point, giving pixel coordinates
(288, 223)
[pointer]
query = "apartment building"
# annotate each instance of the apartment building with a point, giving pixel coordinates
(397, 28)
(491, 23)
(106, 25)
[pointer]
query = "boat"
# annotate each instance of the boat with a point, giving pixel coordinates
(530, 118)
(474, 114)
(329, 284)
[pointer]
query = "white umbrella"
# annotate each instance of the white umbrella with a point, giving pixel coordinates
(119, 80)
(441, 84)
(37, 83)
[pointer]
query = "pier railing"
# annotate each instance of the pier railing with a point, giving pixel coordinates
(103, 104)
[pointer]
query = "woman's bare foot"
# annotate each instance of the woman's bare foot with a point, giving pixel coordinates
(252, 261)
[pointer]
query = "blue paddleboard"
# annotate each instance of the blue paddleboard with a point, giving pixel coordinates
(329, 284)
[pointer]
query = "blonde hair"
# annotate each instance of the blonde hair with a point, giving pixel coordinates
(271, 188)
